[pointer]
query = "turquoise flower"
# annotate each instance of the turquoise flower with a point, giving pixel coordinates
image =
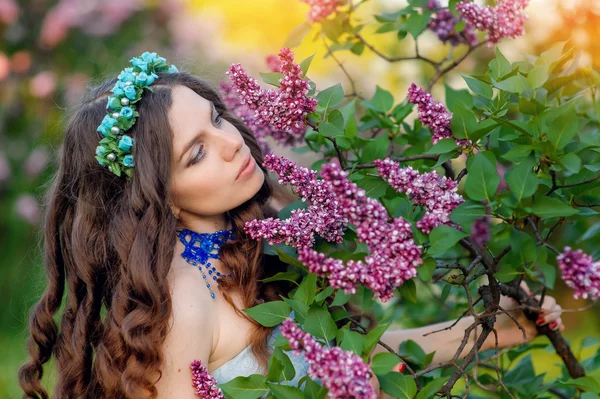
(118, 89)
(125, 143)
(173, 69)
(100, 151)
(128, 161)
(127, 75)
(141, 79)
(140, 63)
(151, 78)
(130, 92)
(127, 112)
(106, 124)
(149, 57)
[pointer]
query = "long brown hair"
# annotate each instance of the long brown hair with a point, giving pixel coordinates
(110, 243)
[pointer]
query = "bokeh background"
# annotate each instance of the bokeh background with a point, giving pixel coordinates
(51, 50)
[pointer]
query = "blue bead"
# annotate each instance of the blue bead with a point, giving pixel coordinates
(212, 294)
(215, 278)
(204, 275)
(218, 274)
(208, 285)
(210, 272)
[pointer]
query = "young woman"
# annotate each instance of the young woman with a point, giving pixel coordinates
(130, 244)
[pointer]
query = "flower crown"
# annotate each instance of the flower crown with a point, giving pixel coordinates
(114, 150)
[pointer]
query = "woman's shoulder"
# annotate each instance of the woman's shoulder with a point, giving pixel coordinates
(190, 298)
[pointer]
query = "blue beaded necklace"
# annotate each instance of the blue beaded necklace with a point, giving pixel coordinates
(200, 247)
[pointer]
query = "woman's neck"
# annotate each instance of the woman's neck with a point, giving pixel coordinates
(203, 224)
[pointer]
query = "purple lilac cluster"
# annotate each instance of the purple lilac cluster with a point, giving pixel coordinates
(443, 24)
(204, 383)
(504, 20)
(580, 272)
(436, 193)
(342, 372)
(233, 104)
(480, 230)
(434, 115)
(285, 108)
(323, 217)
(321, 9)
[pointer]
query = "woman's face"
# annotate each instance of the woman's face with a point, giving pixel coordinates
(208, 153)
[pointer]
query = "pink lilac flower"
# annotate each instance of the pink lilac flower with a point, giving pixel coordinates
(504, 20)
(9, 11)
(204, 383)
(343, 373)
(285, 108)
(323, 216)
(480, 230)
(36, 162)
(273, 63)
(443, 24)
(580, 272)
(434, 115)
(321, 9)
(436, 193)
(27, 208)
(233, 103)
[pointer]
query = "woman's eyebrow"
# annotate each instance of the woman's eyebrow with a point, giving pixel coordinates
(197, 136)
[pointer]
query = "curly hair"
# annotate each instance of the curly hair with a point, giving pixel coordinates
(110, 242)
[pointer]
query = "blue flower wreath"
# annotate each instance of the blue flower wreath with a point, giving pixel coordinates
(114, 150)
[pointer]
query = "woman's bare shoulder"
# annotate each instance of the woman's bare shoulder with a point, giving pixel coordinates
(190, 334)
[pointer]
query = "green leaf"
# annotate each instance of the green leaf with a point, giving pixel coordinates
(429, 390)
(300, 308)
(426, 270)
(522, 180)
(443, 238)
(517, 154)
(297, 34)
(271, 78)
(413, 351)
(289, 372)
(416, 23)
(384, 362)
(398, 385)
(443, 146)
(463, 122)
(500, 66)
(324, 294)
(467, 212)
(514, 84)
(287, 258)
(547, 207)
(305, 64)
(375, 149)
(562, 130)
(312, 390)
(285, 276)
(319, 323)
(352, 341)
(408, 290)
(587, 383)
(482, 179)
(307, 289)
(373, 337)
(285, 391)
(381, 101)
(479, 87)
(538, 76)
(269, 314)
(329, 130)
(571, 162)
(251, 387)
(336, 119)
(351, 128)
(341, 298)
(331, 96)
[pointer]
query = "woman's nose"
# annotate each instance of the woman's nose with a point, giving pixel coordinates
(232, 142)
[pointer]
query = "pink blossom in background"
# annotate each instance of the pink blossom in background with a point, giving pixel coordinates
(4, 66)
(233, 104)
(434, 115)
(20, 62)
(204, 383)
(273, 63)
(436, 193)
(443, 24)
(285, 108)
(323, 217)
(321, 9)
(43, 84)
(480, 230)
(4, 168)
(580, 272)
(36, 162)
(342, 372)
(9, 11)
(502, 21)
(27, 208)
(75, 86)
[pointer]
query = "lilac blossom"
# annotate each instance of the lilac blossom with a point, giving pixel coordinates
(436, 193)
(204, 383)
(443, 24)
(480, 230)
(504, 20)
(343, 373)
(321, 9)
(323, 216)
(285, 108)
(580, 272)
(434, 115)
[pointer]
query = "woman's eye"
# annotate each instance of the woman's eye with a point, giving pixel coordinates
(218, 119)
(199, 154)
